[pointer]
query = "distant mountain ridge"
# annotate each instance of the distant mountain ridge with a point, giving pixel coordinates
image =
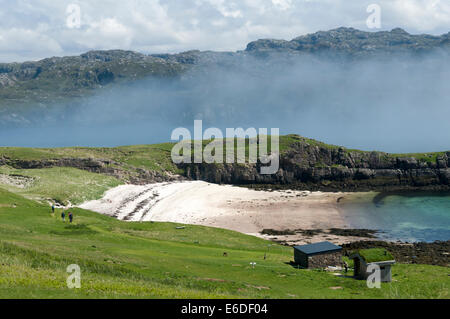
(342, 41)
(354, 42)
(59, 79)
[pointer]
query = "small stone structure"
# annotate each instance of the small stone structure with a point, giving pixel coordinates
(360, 266)
(318, 255)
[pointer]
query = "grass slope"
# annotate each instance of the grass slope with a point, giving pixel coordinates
(62, 184)
(156, 260)
(154, 157)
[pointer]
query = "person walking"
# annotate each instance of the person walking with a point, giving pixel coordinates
(53, 208)
(63, 216)
(345, 266)
(70, 217)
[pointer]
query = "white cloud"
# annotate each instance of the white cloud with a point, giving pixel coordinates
(30, 43)
(32, 29)
(226, 8)
(424, 15)
(282, 4)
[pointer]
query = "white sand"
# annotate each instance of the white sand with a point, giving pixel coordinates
(225, 206)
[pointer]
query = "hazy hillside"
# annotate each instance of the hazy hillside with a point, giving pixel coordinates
(314, 85)
(57, 78)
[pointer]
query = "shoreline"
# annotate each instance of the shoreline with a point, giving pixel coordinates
(434, 253)
(289, 217)
(338, 236)
(235, 208)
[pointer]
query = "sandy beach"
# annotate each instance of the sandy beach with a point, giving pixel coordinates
(230, 207)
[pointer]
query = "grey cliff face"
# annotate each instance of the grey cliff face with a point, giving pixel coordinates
(315, 167)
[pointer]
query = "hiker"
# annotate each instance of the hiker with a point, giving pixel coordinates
(70, 217)
(63, 216)
(53, 208)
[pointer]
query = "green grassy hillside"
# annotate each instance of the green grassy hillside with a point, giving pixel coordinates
(155, 157)
(157, 260)
(72, 185)
(64, 185)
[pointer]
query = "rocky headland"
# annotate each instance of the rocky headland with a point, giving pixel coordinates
(312, 165)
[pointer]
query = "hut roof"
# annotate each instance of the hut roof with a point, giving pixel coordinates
(373, 255)
(318, 248)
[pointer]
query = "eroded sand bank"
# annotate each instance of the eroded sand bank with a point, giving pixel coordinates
(235, 208)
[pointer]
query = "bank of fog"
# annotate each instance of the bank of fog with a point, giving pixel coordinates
(389, 104)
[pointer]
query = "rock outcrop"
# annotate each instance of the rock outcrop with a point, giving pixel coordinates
(352, 42)
(309, 166)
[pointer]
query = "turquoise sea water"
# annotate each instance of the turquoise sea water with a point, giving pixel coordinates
(408, 217)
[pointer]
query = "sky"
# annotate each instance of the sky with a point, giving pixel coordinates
(36, 29)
